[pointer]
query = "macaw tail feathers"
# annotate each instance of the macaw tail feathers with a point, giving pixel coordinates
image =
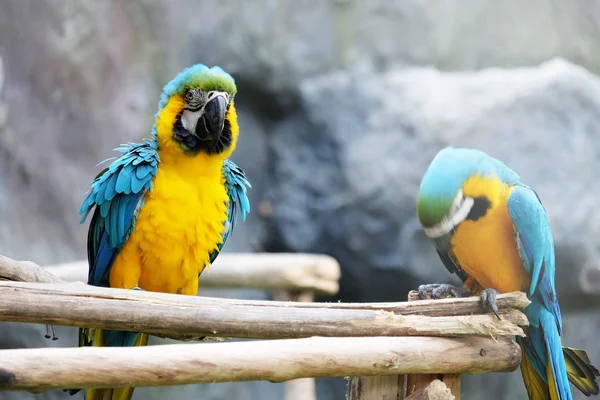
(124, 393)
(558, 383)
(581, 372)
(543, 366)
(537, 389)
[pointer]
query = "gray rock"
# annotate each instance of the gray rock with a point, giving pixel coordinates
(281, 43)
(346, 168)
(82, 79)
(345, 151)
(347, 179)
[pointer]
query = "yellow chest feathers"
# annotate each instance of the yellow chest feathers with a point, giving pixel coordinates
(179, 226)
(485, 248)
(183, 218)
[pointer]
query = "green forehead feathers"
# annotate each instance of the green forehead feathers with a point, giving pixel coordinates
(201, 77)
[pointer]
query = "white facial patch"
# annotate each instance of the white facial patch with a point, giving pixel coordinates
(189, 119)
(461, 207)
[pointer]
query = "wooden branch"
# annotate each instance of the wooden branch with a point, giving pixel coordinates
(24, 271)
(436, 390)
(275, 361)
(432, 308)
(419, 384)
(303, 388)
(375, 387)
(314, 272)
(78, 304)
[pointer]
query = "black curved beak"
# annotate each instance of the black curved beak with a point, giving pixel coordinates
(212, 121)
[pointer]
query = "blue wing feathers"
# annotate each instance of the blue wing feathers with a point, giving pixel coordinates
(116, 193)
(235, 183)
(533, 231)
(536, 248)
(534, 240)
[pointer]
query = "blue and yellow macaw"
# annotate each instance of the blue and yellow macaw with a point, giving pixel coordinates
(164, 209)
(492, 231)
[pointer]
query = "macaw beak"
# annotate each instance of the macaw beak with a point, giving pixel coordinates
(212, 121)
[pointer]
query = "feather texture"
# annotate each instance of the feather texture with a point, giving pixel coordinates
(506, 245)
(161, 214)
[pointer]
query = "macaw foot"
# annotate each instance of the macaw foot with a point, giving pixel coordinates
(137, 288)
(48, 329)
(488, 298)
(439, 290)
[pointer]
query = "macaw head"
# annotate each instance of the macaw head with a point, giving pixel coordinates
(459, 185)
(196, 113)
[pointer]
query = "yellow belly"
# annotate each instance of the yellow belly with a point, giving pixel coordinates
(486, 250)
(180, 224)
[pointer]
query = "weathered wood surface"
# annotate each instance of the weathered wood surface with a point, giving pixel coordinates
(420, 385)
(313, 272)
(387, 387)
(302, 388)
(435, 390)
(416, 385)
(25, 271)
(397, 387)
(78, 304)
(276, 361)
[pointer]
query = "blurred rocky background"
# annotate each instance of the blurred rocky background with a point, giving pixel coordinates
(342, 104)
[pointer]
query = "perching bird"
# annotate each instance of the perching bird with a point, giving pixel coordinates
(164, 209)
(492, 231)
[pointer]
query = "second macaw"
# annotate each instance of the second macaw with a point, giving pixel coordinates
(164, 209)
(492, 231)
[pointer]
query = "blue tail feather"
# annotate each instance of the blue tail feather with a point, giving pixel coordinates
(544, 346)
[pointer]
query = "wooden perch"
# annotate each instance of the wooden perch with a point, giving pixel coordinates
(436, 390)
(279, 360)
(78, 304)
(24, 271)
(315, 272)
(375, 387)
(420, 385)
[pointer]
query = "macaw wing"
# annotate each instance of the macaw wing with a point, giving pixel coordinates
(535, 245)
(235, 183)
(117, 194)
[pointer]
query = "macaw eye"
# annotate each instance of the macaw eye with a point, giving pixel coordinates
(189, 96)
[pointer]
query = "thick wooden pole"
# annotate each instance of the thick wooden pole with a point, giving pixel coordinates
(273, 360)
(25, 271)
(77, 304)
(376, 387)
(418, 383)
(294, 272)
(435, 390)
(303, 388)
